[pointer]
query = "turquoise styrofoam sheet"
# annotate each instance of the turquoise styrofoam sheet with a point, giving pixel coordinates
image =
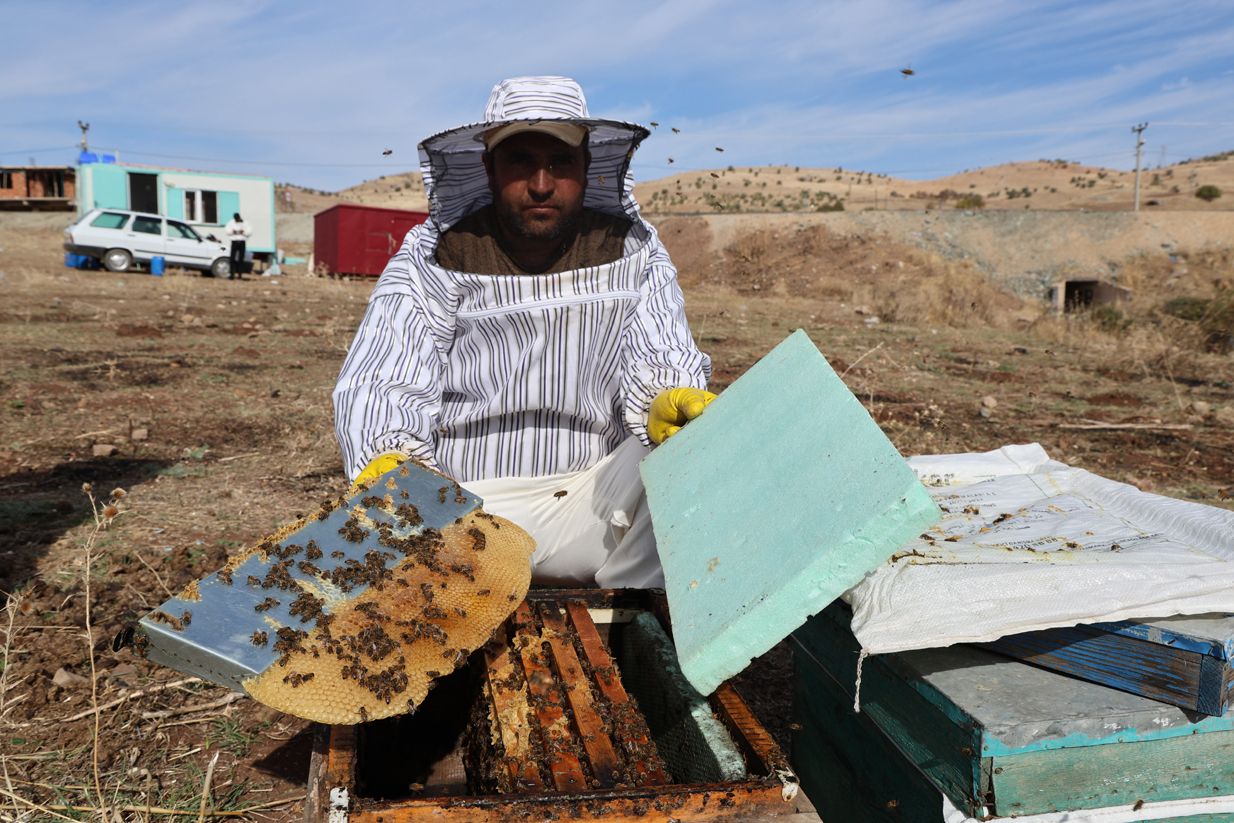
(772, 503)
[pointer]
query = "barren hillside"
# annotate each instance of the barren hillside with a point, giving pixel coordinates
(1042, 185)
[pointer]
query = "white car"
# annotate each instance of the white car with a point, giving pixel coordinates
(118, 238)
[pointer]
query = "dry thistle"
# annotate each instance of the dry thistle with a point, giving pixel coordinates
(85, 487)
(110, 512)
(118, 494)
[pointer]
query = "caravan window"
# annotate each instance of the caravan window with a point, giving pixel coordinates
(201, 206)
(110, 220)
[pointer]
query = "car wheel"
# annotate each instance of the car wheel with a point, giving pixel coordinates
(117, 260)
(220, 267)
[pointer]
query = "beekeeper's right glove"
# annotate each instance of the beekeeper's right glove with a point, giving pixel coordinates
(674, 408)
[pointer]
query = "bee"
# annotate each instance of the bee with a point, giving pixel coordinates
(1139, 804)
(670, 159)
(387, 152)
(123, 638)
(560, 494)
(676, 131)
(908, 72)
(1071, 545)
(655, 125)
(954, 538)
(713, 174)
(719, 149)
(1001, 518)
(1223, 494)
(601, 178)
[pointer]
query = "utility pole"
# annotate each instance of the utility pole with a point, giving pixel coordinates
(1139, 144)
(85, 127)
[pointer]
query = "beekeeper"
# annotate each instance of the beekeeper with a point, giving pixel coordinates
(530, 339)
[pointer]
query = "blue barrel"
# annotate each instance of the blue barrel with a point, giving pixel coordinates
(156, 266)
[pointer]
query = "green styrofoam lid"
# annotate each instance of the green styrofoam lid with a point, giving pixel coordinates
(771, 504)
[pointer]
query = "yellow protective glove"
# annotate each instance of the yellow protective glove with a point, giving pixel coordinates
(378, 466)
(674, 408)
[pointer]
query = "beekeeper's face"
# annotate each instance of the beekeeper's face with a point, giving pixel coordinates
(538, 184)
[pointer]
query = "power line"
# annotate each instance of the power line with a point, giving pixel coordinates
(266, 162)
(36, 151)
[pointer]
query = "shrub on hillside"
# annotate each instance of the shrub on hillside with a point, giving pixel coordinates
(970, 201)
(1110, 319)
(1187, 308)
(1208, 193)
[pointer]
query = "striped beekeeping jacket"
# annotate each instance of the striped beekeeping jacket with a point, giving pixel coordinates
(488, 376)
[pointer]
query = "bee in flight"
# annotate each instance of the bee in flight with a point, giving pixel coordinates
(676, 131)
(387, 152)
(719, 149)
(655, 125)
(713, 174)
(670, 159)
(908, 72)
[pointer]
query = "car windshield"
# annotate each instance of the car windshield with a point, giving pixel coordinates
(110, 220)
(148, 225)
(175, 229)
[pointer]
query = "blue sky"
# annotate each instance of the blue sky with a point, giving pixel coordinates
(313, 92)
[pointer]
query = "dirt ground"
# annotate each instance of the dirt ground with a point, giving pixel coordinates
(208, 403)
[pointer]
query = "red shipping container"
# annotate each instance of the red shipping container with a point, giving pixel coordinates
(351, 239)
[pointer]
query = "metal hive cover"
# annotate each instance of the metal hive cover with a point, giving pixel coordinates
(276, 602)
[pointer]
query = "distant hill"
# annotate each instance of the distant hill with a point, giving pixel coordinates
(1048, 185)
(395, 191)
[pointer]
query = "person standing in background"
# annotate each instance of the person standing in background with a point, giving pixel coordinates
(238, 233)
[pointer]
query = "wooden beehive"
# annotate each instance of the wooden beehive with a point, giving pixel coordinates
(543, 728)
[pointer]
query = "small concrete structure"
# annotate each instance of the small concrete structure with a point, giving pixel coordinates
(1081, 294)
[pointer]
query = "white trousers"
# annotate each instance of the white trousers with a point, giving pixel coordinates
(597, 533)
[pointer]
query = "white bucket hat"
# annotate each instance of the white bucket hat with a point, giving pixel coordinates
(454, 176)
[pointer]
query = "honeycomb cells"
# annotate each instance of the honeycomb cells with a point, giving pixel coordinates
(373, 655)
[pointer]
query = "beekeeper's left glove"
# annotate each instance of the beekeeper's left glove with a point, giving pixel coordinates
(674, 408)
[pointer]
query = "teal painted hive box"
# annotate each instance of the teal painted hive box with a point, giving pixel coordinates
(989, 732)
(771, 504)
